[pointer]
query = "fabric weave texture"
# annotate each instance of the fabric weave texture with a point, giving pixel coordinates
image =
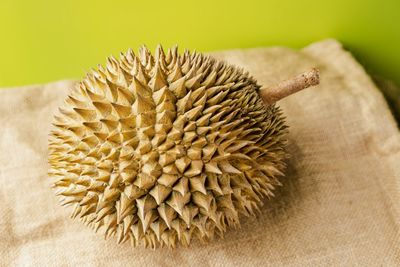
(339, 203)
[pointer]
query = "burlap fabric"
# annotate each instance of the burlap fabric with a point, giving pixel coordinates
(339, 203)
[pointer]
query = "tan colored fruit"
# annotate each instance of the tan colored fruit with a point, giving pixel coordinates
(158, 150)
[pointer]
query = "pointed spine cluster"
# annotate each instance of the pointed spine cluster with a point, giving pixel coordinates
(158, 149)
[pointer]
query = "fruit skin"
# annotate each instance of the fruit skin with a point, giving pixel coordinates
(158, 150)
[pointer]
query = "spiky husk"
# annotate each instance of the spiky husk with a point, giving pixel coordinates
(160, 149)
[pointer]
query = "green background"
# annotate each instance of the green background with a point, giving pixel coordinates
(43, 41)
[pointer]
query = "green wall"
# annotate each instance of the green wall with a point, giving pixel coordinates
(48, 40)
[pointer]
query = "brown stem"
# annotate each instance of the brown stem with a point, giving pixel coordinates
(283, 89)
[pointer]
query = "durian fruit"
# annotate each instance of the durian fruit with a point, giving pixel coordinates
(160, 149)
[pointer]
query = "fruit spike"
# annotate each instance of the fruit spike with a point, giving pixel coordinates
(159, 150)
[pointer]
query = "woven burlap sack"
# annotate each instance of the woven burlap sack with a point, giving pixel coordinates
(339, 203)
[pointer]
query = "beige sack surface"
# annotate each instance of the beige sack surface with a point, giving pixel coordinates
(339, 203)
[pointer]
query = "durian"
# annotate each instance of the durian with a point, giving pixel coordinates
(160, 149)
